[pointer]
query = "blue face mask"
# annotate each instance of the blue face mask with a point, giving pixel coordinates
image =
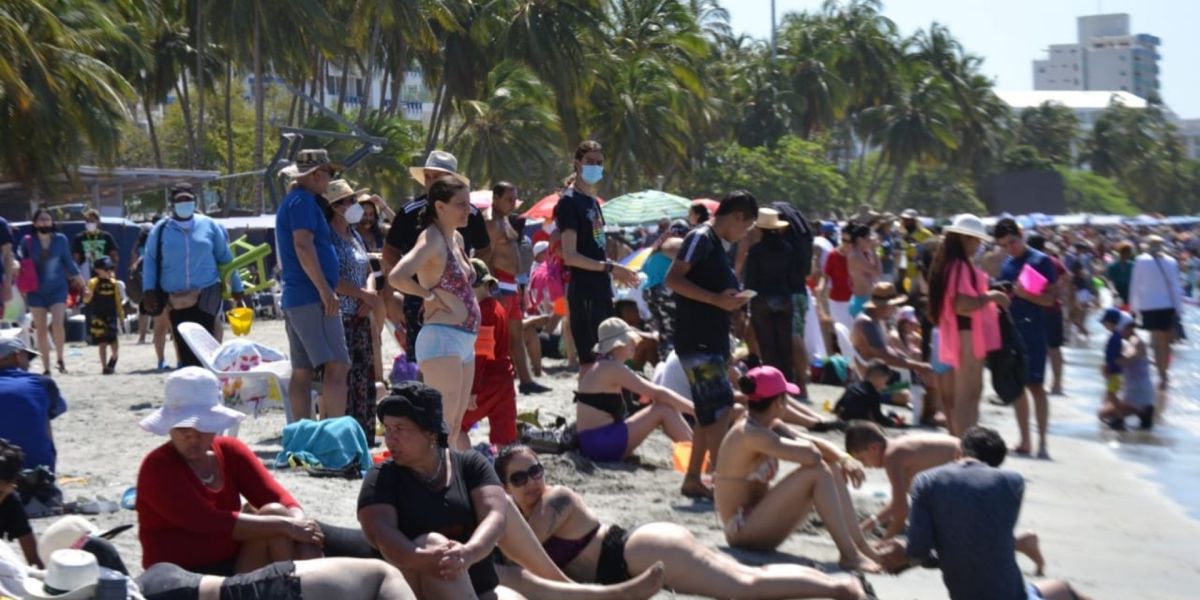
(185, 210)
(592, 174)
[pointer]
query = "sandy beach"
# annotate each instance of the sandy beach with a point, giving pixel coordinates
(1104, 522)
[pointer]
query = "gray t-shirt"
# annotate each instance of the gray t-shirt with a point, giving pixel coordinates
(963, 514)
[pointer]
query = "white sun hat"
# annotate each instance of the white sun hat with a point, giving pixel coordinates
(71, 575)
(191, 398)
(968, 225)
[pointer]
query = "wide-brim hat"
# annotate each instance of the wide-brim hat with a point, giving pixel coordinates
(441, 162)
(885, 294)
(70, 575)
(483, 275)
(308, 161)
(613, 332)
(192, 398)
(909, 213)
(340, 188)
(71, 533)
(768, 218)
(968, 225)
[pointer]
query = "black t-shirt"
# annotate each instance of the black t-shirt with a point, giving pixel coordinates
(13, 522)
(406, 227)
(90, 246)
(581, 213)
(704, 328)
(861, 401)
(449, 512)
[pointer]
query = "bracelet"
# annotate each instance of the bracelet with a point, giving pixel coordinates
(608, 266)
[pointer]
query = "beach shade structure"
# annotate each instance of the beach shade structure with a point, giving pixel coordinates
(637, 260)
(544, 209)
(642, 208)
(482, 199)
(708, 203)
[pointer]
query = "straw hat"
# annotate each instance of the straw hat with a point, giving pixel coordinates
(308, 161)
(70, 575)
(968, 225)
(441, 162)
(71, 532)
(192, 399)
(768, 218)
(340, 188)
(909, 213)
(614, 332)
(885, 294)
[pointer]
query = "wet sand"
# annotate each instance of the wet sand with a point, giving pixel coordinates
(1104, 521)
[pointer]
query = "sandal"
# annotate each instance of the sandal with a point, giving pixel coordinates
(62, 368)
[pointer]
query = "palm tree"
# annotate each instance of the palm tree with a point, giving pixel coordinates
(808, 52)
(1051, 128)
(56, 97)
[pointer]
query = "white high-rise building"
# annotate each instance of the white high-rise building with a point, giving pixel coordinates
(1106, 57)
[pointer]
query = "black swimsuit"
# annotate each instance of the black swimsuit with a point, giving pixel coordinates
(613, 404)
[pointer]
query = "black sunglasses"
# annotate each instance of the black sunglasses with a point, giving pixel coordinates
(520, 478)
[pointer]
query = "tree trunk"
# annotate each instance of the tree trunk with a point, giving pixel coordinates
(189, 133)
(435, 119)
(200, 145)
(258, 105)
(383, 88)
(899, 178)
(397, 87)
(322, 74)
(341, 103)
(369, 78)
(153, 133)
(293, 108)
(876, 179)
(230, 163)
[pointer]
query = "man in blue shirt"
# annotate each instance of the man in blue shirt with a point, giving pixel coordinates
(1028, 312)
(28, 402)
(962, 521)
(309, 274)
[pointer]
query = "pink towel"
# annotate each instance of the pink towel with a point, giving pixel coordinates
(985, 322)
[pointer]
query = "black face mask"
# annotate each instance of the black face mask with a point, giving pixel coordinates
(45, 229)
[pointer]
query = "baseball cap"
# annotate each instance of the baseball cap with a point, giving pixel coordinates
(10, 344)
(1112, 315)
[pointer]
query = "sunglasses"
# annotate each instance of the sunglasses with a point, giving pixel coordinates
(520, 478)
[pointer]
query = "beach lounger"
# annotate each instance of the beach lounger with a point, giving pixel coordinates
(272, 376)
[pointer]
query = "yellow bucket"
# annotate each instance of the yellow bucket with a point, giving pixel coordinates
(240, 319)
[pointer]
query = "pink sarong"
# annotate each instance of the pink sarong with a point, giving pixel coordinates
(985, 322)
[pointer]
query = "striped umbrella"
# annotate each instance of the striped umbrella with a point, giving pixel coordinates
(641, 208)
(636, 260)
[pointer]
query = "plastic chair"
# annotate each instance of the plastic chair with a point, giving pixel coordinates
(277, 374)
(847, 348)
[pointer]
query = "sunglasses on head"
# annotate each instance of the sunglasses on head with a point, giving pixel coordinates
(520, 478)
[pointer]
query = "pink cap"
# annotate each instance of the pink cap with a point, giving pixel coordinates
(769, 382)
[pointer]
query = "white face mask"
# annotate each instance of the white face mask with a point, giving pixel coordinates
(354, 214)
(90, 227)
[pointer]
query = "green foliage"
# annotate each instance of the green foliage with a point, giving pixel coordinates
(1025, 158)
(386, 173)
(941, 192)
(1088, 192)
(795, 170)
(1051, 129)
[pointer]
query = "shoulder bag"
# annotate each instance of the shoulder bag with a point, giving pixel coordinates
(155, 300)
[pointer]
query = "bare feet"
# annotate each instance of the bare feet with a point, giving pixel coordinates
(858, 562)
(695, 489)
(645, 585)
(1029, 545)
(1022, 450)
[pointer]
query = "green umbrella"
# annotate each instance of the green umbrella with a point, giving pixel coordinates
(640, 208)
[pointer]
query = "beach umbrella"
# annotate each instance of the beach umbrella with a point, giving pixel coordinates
(708, 203)
(544, 209)
(637, 260)
(482, 199)
(640, 208)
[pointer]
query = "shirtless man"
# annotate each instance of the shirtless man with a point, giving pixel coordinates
(903, 458)
(505, 263)
(865, 269)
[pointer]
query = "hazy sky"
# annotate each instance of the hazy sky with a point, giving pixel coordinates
(1010, 34)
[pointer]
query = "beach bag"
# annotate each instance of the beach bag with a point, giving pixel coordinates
(1007, 363)
(799, 234)
(154, 302)
(27, 279)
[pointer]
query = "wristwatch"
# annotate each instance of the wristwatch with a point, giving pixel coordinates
(608, 266)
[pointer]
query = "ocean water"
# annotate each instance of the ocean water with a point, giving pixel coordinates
(1171, 450)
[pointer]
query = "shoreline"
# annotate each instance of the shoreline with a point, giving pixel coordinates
(1101, 525)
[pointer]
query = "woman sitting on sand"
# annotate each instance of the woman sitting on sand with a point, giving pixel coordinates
(759, 516)
(607, 433)
(190, 490)
(438, 514)
(589, 550)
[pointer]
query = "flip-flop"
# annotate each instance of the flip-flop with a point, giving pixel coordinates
(866, 585)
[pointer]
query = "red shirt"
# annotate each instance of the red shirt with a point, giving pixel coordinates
(499, 369)
(182, 521)
(837, 268)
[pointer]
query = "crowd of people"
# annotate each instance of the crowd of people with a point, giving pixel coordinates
(735, 311)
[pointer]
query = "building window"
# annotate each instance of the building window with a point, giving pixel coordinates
(1041, 69)
(1123, 74)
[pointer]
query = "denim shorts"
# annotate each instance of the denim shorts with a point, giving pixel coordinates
(47, 298)
(437, 341)
(712, 393)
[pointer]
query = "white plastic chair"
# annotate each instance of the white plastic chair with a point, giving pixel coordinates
(206, 347)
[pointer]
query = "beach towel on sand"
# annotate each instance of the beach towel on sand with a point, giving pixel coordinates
(332, 443)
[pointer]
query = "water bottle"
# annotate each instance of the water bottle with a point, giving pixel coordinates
(111, 586)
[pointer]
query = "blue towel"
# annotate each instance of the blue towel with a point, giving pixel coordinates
(333, 442)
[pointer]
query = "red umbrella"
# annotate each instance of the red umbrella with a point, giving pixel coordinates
(544, 208)
(708, 203)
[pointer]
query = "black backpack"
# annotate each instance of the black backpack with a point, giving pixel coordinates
(1007, 363)
(800, 235)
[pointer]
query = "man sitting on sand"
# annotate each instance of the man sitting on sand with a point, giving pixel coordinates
(903, 458)
(1129, 356)
(963, 514)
